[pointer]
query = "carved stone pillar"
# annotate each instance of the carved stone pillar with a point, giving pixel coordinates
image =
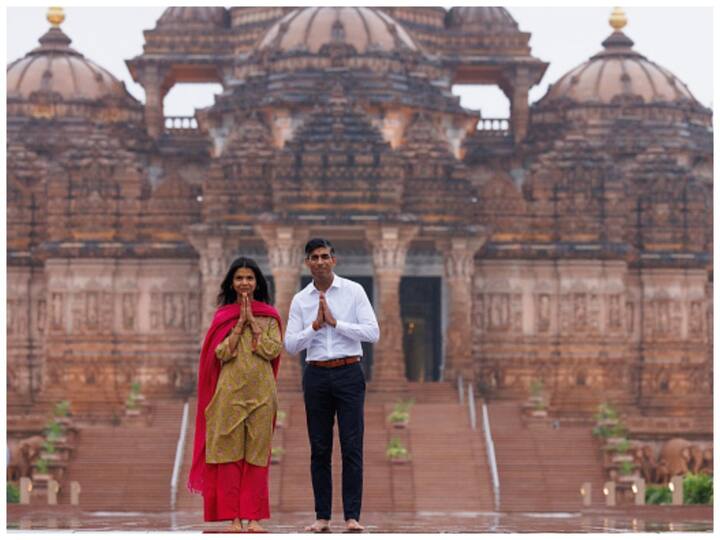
(216, 252)
(285, 253)
(389, 248)
(517, 88)
(153, 81)
(459, 254)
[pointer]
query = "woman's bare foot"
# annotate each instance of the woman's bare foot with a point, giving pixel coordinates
(254, 526)
(235, 526)
(320, 525)
(352, 525)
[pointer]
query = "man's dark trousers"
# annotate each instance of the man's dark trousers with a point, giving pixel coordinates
(330, 391)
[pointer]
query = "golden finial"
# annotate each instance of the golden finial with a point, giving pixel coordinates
(618, 19)
(55, 16)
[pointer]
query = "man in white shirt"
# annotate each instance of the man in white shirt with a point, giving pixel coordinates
(329, 319)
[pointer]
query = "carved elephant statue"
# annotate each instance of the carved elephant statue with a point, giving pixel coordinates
(22, 455)
(696, 458)
(707, 466)
(676, 453)
(644, 457)
(662, 472)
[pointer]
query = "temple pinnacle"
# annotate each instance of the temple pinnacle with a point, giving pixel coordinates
(55, 16)
(618, 19)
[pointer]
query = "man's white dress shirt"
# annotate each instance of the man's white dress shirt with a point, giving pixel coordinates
(351, 309)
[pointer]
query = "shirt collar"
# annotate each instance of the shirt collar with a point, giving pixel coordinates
(336, 284)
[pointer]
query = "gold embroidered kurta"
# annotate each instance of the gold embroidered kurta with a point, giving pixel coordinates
(239, 417)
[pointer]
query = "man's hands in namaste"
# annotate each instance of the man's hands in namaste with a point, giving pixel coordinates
(324, 315)
(247, 318)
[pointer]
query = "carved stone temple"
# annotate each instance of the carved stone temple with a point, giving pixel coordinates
(570, 243)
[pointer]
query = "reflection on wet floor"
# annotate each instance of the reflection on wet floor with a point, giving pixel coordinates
(656, 520)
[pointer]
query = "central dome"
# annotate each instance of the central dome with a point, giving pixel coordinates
(308, 29)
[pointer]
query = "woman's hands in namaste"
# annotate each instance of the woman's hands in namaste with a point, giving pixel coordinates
(247, 318)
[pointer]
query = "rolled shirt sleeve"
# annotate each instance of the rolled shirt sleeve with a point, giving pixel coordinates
(366, 328)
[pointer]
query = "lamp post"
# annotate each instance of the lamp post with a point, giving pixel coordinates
(609, 492)
(586, 493)
(676, 488)
(638, 488)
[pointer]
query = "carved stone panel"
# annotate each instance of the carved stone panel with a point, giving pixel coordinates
(614, 319)
(542, 313)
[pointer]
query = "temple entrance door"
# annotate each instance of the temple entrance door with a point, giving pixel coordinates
(420, 306)
(367, 284)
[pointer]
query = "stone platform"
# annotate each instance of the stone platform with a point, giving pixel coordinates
(628, 519)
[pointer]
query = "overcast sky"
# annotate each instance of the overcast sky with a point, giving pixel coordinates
(679, 39)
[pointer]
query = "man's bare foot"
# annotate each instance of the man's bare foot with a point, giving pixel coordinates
(320, 525)
(254, 526)
(352, 525)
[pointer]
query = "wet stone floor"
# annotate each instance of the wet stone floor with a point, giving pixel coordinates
(646, 519)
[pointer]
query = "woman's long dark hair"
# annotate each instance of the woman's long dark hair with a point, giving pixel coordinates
(227, 293)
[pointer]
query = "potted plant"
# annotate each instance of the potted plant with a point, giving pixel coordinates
(61, 413)
(625, 471)
(608, 425)
(49, 452)
(396, 451)
(280, 419)
(41, 472)
(54, 431)
(400, 415)
(276, 454)
(536, 405)
(134, 400)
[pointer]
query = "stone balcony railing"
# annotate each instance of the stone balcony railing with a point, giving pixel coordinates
(494, 126)
(179, 125)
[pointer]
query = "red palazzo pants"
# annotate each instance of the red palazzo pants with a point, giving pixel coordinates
(236, 490)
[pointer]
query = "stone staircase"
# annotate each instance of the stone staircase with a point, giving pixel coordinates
(450, 468)
(542, 468)
(126, 468)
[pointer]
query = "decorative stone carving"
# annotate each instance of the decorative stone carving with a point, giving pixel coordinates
(459, 257)
(389, 249)
(614, 313)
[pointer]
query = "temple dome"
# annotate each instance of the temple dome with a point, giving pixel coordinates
(55, 68)
(618, 73)
(189, 16)
(365, 29)
(488, 19)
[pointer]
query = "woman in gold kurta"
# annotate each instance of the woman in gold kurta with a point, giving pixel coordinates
(237, 401)
(240, 415)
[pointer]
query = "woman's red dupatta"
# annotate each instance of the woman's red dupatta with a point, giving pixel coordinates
(208, 373)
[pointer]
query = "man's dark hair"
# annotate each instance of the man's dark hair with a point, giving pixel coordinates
(315, 243)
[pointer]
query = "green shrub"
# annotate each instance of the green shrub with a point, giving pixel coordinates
(13, 493)
(658, 495)
(697, 489)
